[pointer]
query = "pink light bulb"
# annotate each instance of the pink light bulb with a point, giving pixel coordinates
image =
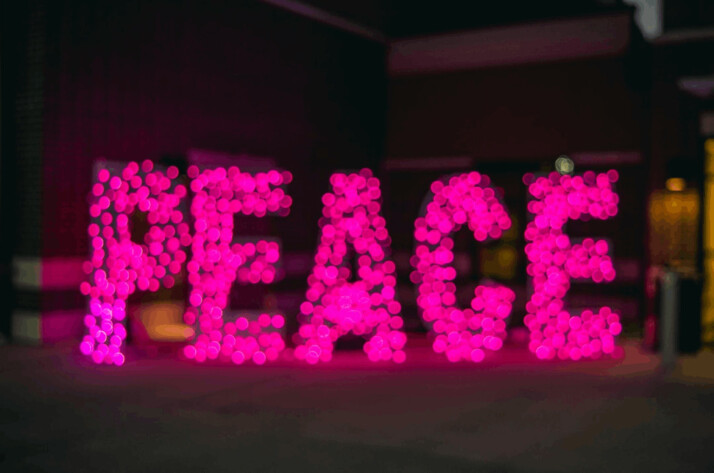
(367, 306)
(217, 262)
(462, 199)
(116, 260)
(554, 260)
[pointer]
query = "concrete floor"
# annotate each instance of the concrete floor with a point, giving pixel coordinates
(508, 414)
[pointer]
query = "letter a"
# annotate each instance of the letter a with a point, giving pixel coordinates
(334, 307)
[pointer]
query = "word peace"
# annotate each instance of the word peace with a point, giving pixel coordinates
(341, 297)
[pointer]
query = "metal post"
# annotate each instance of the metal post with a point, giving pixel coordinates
(669, 320)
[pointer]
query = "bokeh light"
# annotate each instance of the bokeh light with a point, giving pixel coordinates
(553, 260)
(334, 307)
(217, 262)
(460, 334)
(118, 267)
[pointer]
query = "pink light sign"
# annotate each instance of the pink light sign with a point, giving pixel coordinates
(553, 260)
(334, 306)
(461, 334)
(217, 262)
(339, 302)
(118, 267)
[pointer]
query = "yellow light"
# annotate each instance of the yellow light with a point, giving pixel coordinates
(500, 262)
(674, 223)
(708, 292)
(675, 184)
(564, 165)
(709, 146)
(163, 321)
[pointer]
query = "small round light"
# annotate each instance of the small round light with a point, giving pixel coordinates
(564, 165)
(675, 184)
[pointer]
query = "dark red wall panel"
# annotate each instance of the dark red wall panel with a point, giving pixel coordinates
(142, 80)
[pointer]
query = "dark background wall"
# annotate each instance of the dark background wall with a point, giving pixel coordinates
(518, 113)
(140, 80)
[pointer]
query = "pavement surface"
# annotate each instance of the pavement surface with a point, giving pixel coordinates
(511, 413)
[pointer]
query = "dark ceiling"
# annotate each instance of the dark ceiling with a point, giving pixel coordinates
(404, 18)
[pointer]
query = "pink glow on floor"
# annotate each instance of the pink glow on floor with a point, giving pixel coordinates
(461, 334)
(553, 260)
(217, 263)
(119, 267)
(367, 307)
